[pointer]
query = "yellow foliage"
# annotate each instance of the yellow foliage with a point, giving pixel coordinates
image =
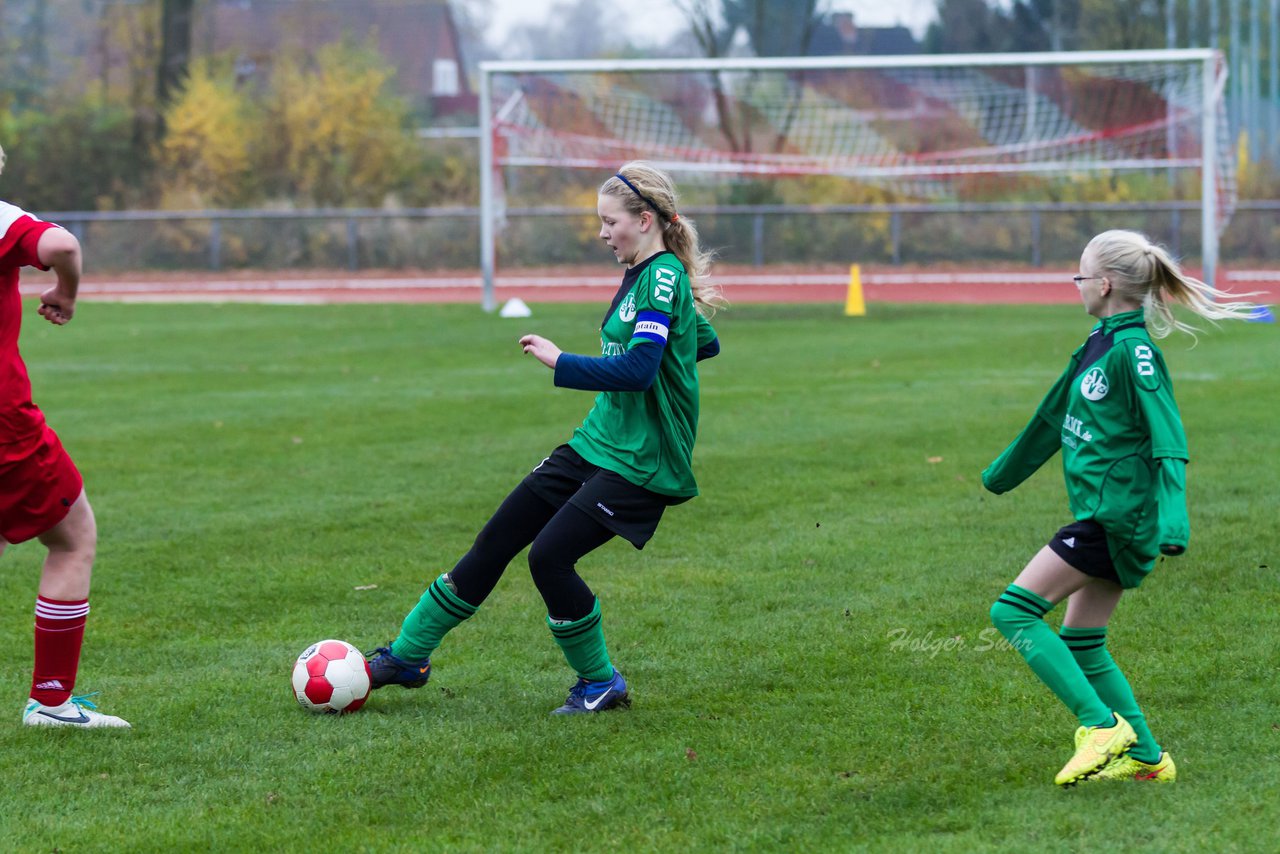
(207, 147)
(337, 135)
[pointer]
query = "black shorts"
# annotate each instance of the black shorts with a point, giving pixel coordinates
(632, 512)
(1084, 546)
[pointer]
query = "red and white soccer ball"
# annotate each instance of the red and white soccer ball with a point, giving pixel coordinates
(331, 677)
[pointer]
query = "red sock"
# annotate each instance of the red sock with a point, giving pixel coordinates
(59, 633)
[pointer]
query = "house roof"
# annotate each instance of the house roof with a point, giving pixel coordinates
(838, 35)
(411, 34)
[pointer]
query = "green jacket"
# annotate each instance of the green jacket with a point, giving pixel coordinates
(647, 437)
(1124, 452)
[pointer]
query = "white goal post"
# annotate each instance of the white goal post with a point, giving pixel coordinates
(938, 128)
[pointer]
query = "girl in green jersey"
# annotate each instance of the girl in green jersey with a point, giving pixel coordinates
(631, 458)
(1112, 414)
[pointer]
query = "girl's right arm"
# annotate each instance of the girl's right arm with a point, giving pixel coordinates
(1038, 441)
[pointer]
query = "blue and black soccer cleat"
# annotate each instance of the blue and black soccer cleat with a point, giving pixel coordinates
(585, 697)
(386, 669)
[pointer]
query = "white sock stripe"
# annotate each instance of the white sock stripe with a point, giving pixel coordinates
(62, 617)
(53, 611)
(45, 609)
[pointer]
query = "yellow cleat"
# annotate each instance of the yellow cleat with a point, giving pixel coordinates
(1095, 747)
(1128, 768)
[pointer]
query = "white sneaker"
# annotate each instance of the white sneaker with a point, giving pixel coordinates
(78, 711)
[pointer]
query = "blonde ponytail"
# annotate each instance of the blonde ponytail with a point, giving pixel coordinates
(1145, 273)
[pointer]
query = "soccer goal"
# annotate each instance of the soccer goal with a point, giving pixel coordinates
(939, 130)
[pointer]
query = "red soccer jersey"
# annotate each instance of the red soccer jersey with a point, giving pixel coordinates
(21, 423)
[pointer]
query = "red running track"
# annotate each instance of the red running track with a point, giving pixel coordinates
(739, 284)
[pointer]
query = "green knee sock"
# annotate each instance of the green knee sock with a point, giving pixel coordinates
(582, 642)
(1018, 614)
(1089, 648)
(438, 611)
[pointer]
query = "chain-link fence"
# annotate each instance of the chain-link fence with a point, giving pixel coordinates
(448, 238)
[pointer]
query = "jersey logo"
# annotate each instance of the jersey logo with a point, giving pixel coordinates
(664, 287)
(1094, 385)
(627, 310)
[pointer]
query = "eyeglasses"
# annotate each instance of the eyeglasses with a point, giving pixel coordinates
(1079, 279)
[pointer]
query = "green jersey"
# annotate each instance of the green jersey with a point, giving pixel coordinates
(647, 436)
(1124, 453)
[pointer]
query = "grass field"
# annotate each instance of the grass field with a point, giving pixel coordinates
(808, 644)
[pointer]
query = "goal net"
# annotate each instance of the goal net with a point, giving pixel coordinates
(939, 130)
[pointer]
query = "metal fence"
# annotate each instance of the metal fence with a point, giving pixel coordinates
(448, 238)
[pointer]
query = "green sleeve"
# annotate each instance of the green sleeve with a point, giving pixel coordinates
(1173, 528)
(706, 332)
(1153, 392)
(1037, 442)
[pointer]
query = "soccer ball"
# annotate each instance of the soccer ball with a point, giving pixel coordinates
(331, 677)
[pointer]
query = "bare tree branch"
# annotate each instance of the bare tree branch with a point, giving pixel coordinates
(813, 11)
(702, 23)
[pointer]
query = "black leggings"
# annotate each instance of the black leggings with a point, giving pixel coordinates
(559, 537)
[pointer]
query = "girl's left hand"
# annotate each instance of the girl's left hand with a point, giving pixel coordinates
(543, 350)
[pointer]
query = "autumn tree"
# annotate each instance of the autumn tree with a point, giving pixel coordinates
(966, 26)
(209, 139)
(335, 133)
(78, 156)
(983, 26)
(176, 21)
(24, 51)
(772, 28)
(1125, 26)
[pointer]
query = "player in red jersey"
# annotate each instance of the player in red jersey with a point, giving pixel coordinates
(41, 492)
